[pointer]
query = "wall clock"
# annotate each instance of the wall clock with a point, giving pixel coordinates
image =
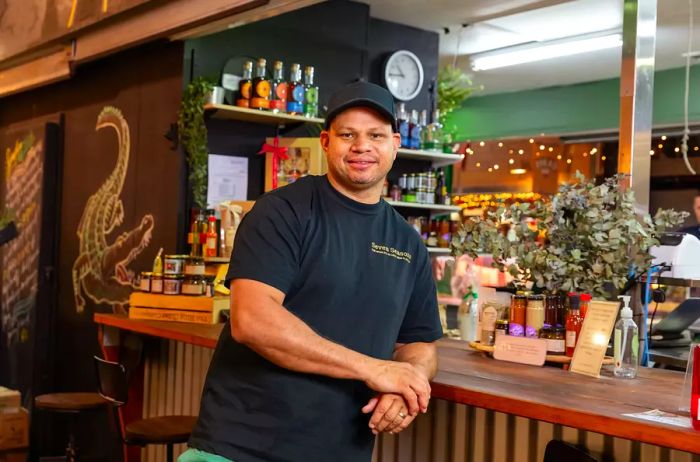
(403, 75)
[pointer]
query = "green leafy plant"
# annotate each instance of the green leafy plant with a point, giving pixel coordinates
(454, 87)
(7, 217)
(587, 237)
(192, 133)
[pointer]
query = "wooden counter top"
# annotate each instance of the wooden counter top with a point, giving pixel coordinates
(548, 394)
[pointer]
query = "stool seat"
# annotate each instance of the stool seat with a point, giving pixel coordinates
(70, 402)
(170, 429)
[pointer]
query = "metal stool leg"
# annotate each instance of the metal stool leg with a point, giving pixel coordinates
(169, 450)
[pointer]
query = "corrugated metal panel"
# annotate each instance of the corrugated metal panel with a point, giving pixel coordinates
(174, 378)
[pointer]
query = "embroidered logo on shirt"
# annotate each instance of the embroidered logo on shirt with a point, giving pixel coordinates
(391, 252)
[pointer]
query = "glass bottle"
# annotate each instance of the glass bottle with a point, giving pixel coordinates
(415, 130)
(245, 85)
(440, 189)
(310, 93)
(695, 388)
(585, 302)
(199, 227)
(423, 122)
(212, 236)
(403, 124)
(295, 91)
(433, 135)
(278, 101)
(469, 317)
(573, 324)
(626, 343)
(551, 311)
(261, 87)
(534, 316)
(518, 308)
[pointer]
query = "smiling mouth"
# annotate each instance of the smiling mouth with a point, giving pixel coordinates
(361, 163)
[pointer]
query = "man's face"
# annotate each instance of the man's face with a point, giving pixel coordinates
(696, 208)
(361, 148)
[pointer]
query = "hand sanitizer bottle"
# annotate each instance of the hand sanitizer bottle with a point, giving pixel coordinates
(469, 317)
(626, 343)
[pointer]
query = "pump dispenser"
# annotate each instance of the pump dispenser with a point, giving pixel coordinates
(626, 342)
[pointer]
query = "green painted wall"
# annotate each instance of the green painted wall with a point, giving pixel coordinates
(584, 107)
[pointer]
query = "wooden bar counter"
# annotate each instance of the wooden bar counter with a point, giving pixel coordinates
(546, 394)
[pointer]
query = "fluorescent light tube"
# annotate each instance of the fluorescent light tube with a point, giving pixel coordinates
(489, 61)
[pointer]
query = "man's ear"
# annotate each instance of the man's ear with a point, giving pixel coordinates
(324, 138)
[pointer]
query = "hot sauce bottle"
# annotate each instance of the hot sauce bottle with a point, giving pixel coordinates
(278, 103)
(295, 91)
(261, 87)
(245, 85)
(518, 308)
(574, 321)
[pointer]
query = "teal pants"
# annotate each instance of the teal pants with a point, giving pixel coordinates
(195, 455)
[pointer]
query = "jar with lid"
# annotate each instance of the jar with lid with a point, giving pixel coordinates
(172, 284)
(501, 328)
(157, 283)
(556, 339)
(534, 317)
(145, 282)
(194, 285)
(518, 308)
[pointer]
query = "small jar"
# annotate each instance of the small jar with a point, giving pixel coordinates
(534, 316)
(157, 283)
(145, 282)
(174, 264)
(501, 328)
(193, 285)
(556, 340)
(172, 284)
(194, 267)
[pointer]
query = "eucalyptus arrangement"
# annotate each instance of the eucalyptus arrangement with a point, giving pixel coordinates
(192, 133)
(587, 237)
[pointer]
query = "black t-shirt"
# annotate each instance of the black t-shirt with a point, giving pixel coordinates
(359, 276)
(694, 230)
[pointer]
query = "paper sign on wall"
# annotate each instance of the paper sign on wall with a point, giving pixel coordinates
(594, 338)
(228, 179)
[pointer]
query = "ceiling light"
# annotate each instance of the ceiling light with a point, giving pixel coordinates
(603, 158)
(661, 146)
(695, 148)
(594, 150)
(559, 157)
(544, 50)
(518, 171)
(490, 170)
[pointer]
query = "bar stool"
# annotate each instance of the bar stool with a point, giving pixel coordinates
(168, 430)
(71, 404)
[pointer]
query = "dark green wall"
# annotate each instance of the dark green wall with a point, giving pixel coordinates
(585, 107)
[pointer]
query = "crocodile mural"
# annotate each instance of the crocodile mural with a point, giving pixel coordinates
(101, 270)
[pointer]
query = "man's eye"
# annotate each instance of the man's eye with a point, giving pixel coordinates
(377, 136)
(345, 135)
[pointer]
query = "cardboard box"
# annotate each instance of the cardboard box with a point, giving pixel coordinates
(14, 428)
(10, 398)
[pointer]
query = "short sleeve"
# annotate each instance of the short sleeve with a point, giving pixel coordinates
(422, 320)
(267, 245)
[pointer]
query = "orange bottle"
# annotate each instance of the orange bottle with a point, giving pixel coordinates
(210, 249)
(574, 321)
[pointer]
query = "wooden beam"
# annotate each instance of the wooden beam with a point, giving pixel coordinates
(161, 21)
(35, 73)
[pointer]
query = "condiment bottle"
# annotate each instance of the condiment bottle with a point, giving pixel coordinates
(245, 85)
(518, 308)
(551, 311)
(278, 101)
(695, 390)
(534, 316)
(585, 302)
(573, 324)
(626, 344)
(261, 87)
(211, 237)
(198, 228)
(158, 262)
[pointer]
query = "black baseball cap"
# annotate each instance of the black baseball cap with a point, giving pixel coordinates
(362, 94)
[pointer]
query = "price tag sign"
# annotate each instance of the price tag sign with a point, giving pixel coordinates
(594, 338)
(523, 350)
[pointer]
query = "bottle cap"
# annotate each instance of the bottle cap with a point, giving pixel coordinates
(586, 297)
(626, 311)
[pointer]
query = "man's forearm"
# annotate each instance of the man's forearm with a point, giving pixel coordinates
(422, 356)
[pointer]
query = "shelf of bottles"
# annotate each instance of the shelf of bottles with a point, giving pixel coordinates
(225, 111)
(438, 159)
(417, 205)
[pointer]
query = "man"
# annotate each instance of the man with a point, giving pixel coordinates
(333, 309)
(694, 229)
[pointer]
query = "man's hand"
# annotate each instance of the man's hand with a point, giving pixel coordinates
(403, 379)
(390, 413)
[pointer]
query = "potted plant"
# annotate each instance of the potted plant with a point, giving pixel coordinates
(453, 87)
(587, 237)
(192, 133)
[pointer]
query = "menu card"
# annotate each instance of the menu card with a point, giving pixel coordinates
(594, 338)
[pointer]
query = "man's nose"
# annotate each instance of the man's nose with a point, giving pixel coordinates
(361, 143)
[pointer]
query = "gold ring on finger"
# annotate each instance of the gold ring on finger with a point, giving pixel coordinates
(402, 415)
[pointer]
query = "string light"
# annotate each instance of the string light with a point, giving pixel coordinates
(482, 144)
(478, 164)
(531, 140)
(661, 146)
(538, 153)
(541, 147)
(585, 154)
(594, 150)
(510, 151)
(520, 151)
(603, 158)
(663, 137)
(677, 149)
(651, 153)
(559, 157)
(490, 170)
(511, 161)
(568, 161)
(500, 145)
(695, 148)
(550, 149)
(495, 166)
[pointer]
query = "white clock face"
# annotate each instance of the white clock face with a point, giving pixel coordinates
(404, 75)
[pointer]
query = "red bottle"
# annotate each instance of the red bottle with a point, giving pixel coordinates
(695, 392)
(574, 321)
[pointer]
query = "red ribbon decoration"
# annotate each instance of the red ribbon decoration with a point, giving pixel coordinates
(278, 153)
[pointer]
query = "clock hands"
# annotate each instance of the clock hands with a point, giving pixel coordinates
(400, 74)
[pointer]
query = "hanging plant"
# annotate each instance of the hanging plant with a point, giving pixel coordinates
(192, 133)
(454, 87)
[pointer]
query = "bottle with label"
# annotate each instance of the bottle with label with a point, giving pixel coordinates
(423, 122)
(433, 134)
(310, 93)
(489, 316)
(261, 87)
(212, 236)
(695, 387)
(440, 189)
(469, 317)
(626, 344)
(158, 262)
(534, 316)
(585, 303)
(199, 228)
(415, 131)
(245, 85)
(518, 308)
(403, 125)
(278, 101)
(573, 324)
(295, 91)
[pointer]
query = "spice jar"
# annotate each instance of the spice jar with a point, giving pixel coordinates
(534, 316)
(145, 282)
(174, 264)
(157, 283)
(501, 328)
(518, 308)
(556, 339)
(193, 285)
(172, 284)
(194, 267)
